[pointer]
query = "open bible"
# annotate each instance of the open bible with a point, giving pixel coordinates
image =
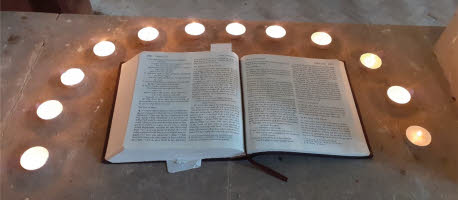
(194, 105)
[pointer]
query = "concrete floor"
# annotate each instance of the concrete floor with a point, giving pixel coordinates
(400, 12)
(37, 47)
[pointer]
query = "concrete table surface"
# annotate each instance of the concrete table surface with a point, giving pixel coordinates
(36, 48)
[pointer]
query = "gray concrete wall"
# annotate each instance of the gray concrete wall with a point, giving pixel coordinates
(401, 12)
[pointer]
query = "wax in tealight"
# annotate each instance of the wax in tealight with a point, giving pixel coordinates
(235, 29)
(34, 158)
(371, 60)
(418, 135)
(49, 109)
(398, 94)
(104, 48)
(148, 34)
(321, 38)
(194, 29)
(275, 31)
(72, 76)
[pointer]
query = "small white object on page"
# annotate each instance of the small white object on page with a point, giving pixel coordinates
(182, 165)
(221, 47)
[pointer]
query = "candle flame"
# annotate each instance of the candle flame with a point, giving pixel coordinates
(418, 136)
(194, 28)
(104, 48)
(370, 60)
(419, 133)
(235, 29)
(321, 38)
(275, 31)
(398, 94)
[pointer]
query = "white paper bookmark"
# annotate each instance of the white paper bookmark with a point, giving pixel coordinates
(221, 47)
(182, 165)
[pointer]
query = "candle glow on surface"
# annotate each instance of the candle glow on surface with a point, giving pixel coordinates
(321, 38)
(235, 29)
(104, 48)
(398, 94)
(194, 29)
(275, 31)
(49, 109)
(418, 135)
(148, 34)
(371, 60)
(72, 76)
(34, 158)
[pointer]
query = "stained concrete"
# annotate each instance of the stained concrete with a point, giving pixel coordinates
(400, 12)
(37, 48)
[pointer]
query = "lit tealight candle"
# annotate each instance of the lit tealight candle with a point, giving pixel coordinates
(418, 135)
(321, 38)
(371, 60)
(275, 31)
(398, 94)
(104, 48)
(72, 77)
(235, 29)
(194, 29)
(34, 158)
(148, 34)
(49, 109)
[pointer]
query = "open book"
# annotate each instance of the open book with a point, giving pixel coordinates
(195, 106)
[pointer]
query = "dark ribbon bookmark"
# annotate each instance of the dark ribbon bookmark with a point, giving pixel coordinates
(267, 170)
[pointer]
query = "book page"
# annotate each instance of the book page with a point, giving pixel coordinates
(300, 105)
(186, 105)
